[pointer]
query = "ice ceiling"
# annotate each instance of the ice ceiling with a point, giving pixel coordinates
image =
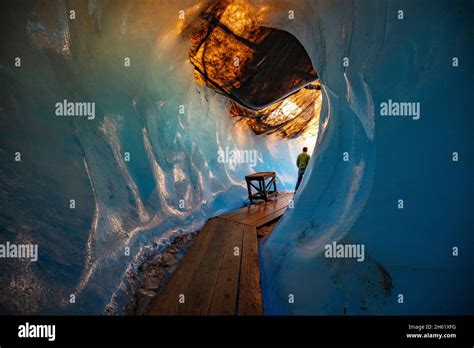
(266, 72)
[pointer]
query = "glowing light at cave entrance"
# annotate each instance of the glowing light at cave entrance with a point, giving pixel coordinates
(266, 73)
(294, 116)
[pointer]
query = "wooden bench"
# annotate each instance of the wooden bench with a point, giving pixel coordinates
(265, 190)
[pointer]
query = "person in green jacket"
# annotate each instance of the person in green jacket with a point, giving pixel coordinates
(302, 163)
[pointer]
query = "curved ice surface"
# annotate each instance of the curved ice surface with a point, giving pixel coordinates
(408, 251)
(152, 113)
(173, 156)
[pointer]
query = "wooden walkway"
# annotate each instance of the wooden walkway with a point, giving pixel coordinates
(220, 274)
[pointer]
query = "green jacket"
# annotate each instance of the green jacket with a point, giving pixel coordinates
(302, 160)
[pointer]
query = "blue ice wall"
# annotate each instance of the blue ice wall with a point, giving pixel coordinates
(153, 110)
(174, 156)
(408, 251)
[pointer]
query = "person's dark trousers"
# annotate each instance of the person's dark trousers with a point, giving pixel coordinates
(300, 176)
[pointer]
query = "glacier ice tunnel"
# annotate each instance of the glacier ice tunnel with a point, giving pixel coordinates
(166, 85)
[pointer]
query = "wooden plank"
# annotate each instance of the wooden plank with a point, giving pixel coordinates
(246, 210)
(260, 221)
(260, 210)
(201, 286)
(167, 301)
(282, 199)
(250, 292)
(250, 219)
(224, 298)
(238, 211)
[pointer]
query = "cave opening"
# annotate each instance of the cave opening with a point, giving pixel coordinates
(265, 72)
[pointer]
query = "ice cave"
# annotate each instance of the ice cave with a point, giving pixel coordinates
(176, 83)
